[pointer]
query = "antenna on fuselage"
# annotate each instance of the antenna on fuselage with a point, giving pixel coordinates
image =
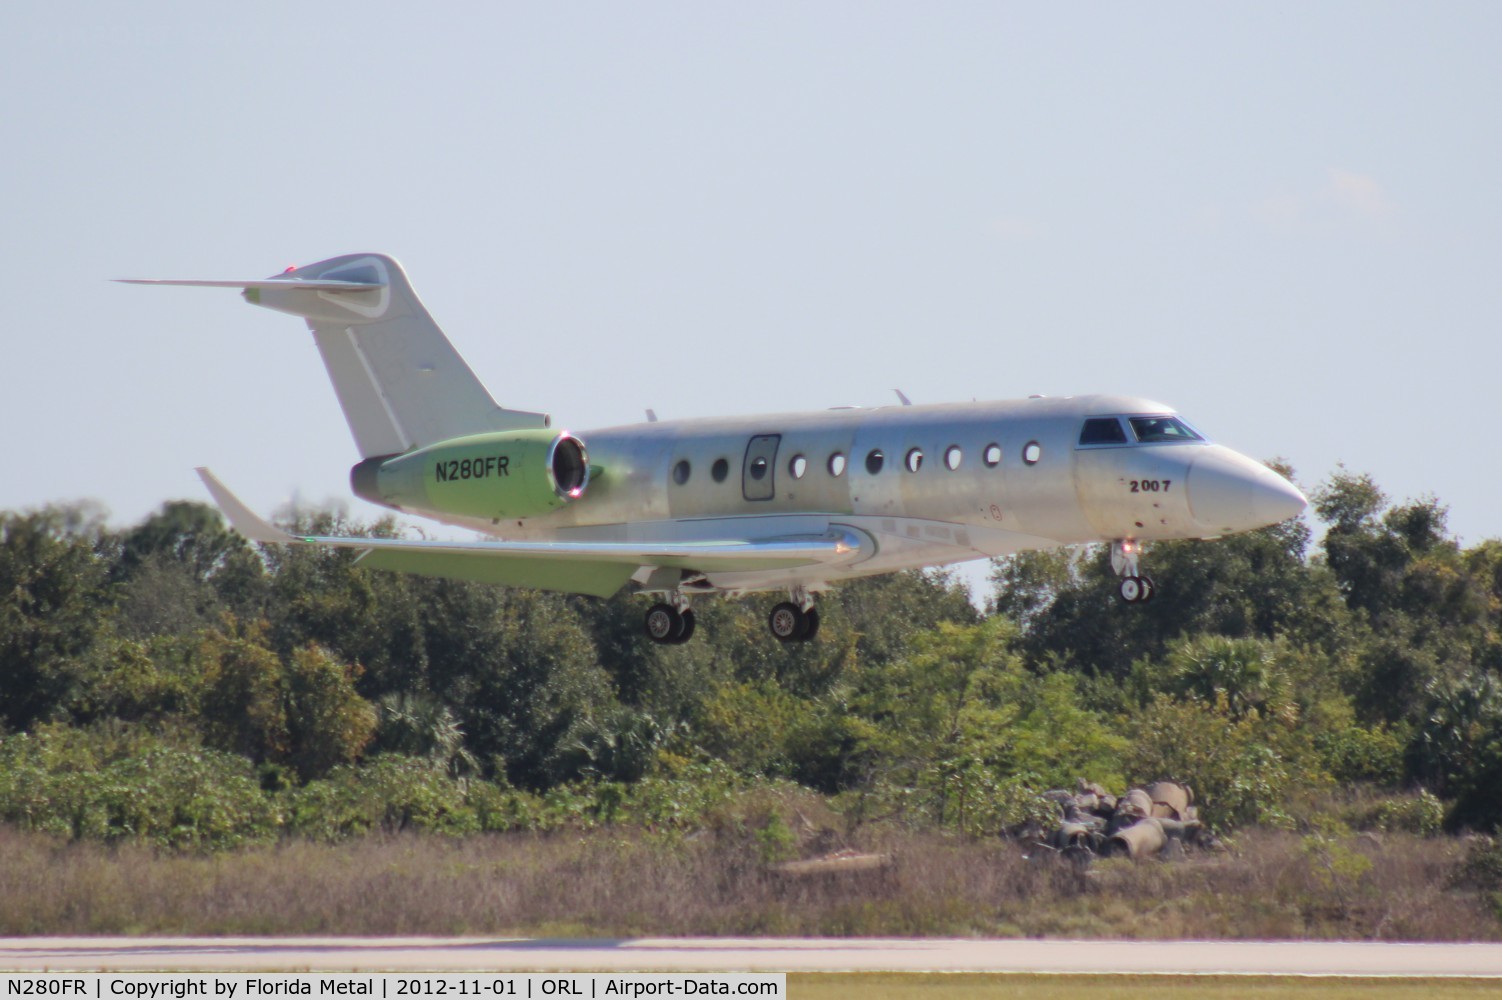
(903, 396)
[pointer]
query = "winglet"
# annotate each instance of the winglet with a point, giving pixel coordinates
(244, 520)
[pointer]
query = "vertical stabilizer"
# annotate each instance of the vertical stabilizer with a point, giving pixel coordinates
(401, 383)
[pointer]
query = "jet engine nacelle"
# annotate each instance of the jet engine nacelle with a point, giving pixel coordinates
(500, 475)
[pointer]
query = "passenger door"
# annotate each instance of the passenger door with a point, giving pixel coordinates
(759, 473)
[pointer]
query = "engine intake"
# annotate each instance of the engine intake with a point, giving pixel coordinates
(506, 474)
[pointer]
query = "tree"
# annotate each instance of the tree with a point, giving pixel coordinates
(54, 605)
(1239, 769)
(179, 569)
(243, 707)
(1253, 585)
(1242, 674)
(1458, 748)
(1428, 609)
(1399, 562)
(300, 712)
(955, 722)
(190, 534)
(328, 723)
(519, 669)
(421, 725)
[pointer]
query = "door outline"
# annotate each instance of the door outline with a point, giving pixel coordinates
(759, 469)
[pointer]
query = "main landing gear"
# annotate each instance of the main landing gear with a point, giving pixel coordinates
(670, 622)
(1134, 588)
(796, 620)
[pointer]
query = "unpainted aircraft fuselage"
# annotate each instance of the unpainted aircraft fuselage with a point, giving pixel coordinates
(925, 485)
(781, 502)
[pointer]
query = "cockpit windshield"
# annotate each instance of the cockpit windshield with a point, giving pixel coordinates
(1153, 430)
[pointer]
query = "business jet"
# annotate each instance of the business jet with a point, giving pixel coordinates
(790, 502)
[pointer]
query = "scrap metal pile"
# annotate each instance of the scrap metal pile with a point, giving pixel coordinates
(1159, 821)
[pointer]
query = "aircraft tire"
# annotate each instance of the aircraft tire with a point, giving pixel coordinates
(787, 622)
(663, 623)
(810, 625)
(1130, 589)
(687, 631)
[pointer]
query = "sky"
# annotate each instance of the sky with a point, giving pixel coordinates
(1283, 219)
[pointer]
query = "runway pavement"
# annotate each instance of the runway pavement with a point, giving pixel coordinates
(1304, 958)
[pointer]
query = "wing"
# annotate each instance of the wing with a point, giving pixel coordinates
(597, 568)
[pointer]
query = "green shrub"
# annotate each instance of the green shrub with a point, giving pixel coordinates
(1481, 868)
(498, 807)
(389, 794)
(1355, 753)
(1422, 814)
(125, 785)
(1481, 871)
(1238, 773)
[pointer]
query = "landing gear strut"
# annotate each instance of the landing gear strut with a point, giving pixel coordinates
(796, 620)
(1134, 588)
(670, 622)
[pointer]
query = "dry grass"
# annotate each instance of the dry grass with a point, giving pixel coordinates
(627, 883)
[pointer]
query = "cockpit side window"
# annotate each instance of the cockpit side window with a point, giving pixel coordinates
(1151, 430)
(1102, 430)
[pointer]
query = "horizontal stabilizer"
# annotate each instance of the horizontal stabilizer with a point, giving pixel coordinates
(261, 284)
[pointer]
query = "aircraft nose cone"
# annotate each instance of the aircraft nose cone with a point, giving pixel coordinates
(1229, 492)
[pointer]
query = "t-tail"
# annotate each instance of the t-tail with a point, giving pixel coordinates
(401, 383)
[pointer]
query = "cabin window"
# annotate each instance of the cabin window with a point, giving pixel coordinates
(1032, 452)
(1102, 430)
(875, 460)
(798, 466)
(914, 459)
(681, 471)
(720, 470)
(953, 456)
(837, 464)
(758, 468)
(992, 455)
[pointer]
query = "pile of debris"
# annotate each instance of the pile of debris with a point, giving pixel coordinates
(1157, 821)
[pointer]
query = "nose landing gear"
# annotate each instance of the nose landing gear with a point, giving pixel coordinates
(796, 620)
(1134, 588)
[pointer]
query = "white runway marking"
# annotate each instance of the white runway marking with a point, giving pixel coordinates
(1303, 958)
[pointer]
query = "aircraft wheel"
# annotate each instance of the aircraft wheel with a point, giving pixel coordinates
(1130, 589)
(687, 633)
(1149, 589)
(787, 621)
(663, 623)
(810, 625)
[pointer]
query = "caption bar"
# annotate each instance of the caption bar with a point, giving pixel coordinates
(420, 986)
